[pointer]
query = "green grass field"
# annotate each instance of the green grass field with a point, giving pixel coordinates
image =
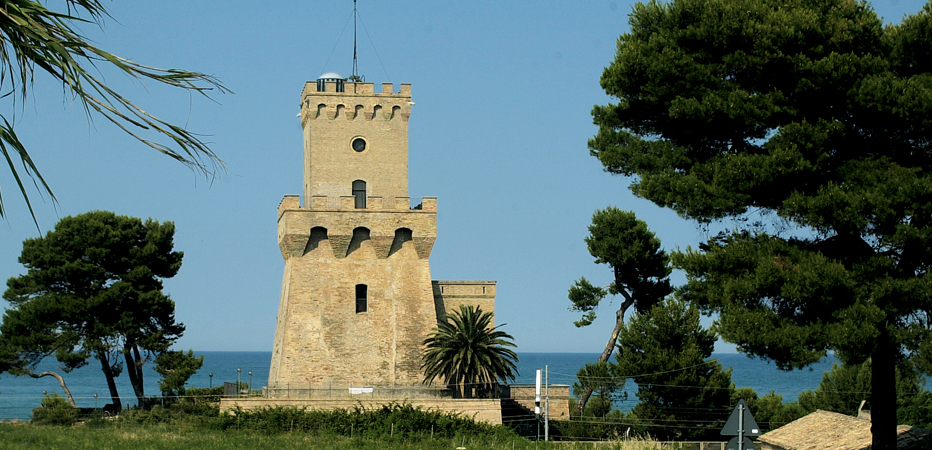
(160, 437)
(196, 424)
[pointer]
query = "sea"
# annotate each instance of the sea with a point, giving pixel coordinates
(19, 395)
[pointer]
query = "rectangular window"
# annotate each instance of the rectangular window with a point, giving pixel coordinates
(362, 298)
(359, 191)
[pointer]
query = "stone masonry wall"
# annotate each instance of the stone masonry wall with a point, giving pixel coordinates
(332, 120)
(449, 295)
(320, 336)
(525, 394)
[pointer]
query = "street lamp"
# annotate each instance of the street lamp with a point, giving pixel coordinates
(250, 382)
(211, 376)
(239, 381)
(95, 401)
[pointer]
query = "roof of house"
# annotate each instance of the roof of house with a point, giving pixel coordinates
(825, 430)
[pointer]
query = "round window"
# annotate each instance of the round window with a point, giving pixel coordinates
(359, 144)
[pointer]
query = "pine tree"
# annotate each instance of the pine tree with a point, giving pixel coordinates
(602, 387)
(844, 387)
(93, 289)
(806, 124)
(666, 352)
(641, 272)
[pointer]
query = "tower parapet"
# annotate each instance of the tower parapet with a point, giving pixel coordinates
(348, 87)
(353, 101)
(338, 221)
(449, 295)
(354, 138)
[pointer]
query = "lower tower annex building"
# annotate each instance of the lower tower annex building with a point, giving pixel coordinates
(357, 298)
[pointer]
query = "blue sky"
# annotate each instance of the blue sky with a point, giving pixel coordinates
(503, 92)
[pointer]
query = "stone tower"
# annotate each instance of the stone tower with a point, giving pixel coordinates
(357, 297)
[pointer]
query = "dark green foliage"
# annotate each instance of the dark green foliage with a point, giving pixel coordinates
(665, 351)
(33, 36)
(402, 421)
(917, 411)
(807, 123)
(394, 422)
(640, 267)
(769, 411)
(604, 385)
(204, 395)
(641, 272)
(795, 299)
(55, 410)
(93, 289)
(613, 428)
(844, 387)
(196, 432)
(841, 390)
(585, 298)
(467, 352)
(176, 367)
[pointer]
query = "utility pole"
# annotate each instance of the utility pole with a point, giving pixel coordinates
(547, 403)
(537, 402)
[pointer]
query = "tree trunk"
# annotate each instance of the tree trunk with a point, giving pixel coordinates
(111, 384)
(883, 394)
(609, 347)
(61, 381)
(134, 369)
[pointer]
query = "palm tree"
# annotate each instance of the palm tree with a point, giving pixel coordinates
(34, 38)
(467, 352)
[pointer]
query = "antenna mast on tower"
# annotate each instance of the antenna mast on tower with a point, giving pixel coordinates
(355, 77)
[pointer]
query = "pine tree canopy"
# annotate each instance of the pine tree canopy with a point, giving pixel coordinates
(93, 289)
(807, 124)
(667, 353)
(641, 272)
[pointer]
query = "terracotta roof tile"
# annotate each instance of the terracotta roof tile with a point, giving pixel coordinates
(825, 430)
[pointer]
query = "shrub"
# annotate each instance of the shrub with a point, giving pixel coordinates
(592, 429)
(55, 410)
(391, 423)
(205, 395)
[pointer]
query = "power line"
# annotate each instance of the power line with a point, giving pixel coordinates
(337, 42)
(379, 58)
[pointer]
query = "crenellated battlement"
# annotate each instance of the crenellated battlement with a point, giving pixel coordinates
(449, 295)
(354, 89)
(356, 101)
(348, 203)
(342, 221)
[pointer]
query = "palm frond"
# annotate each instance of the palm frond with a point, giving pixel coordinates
(33, 37)
(466, 350)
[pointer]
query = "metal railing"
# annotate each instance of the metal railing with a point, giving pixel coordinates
(353, 391)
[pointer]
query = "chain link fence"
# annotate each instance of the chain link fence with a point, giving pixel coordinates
(337, 390)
